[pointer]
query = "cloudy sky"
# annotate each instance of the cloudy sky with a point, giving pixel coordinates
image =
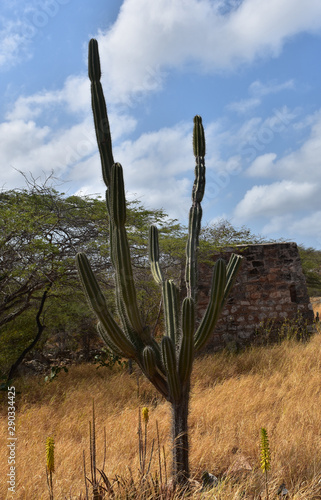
(250, 68)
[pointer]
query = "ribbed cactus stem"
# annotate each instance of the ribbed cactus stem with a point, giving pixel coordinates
(120, 253)
(100, 111)
(170, 363)
(121, 257)
(106, 339)
(152, 371)
(194, 227)
(214, 307)
(94, 70)
(186, 352)
(149, 360)
(170, 297)
(195, 214)
(117, 200)
(199, 147)
(232, 269)
(154, 255)
(98, 302)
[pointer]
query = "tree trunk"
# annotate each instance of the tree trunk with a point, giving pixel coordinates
(40, 328)
(180, 438)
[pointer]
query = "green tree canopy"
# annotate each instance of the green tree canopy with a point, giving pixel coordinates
(311, 264)
(40, 230)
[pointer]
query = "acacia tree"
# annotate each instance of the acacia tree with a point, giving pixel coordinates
(223, 234)
(167, 365)
(311, 266)
(40, 231)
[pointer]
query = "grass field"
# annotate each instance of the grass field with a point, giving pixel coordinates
(233, 397)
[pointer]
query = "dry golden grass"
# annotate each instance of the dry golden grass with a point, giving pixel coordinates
(316, 304)
(233, 396)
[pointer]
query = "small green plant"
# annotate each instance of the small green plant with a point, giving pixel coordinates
(107, 359)
(55, 370)
(272, 331)
(296, 329)
(265, 457)
(50, 463)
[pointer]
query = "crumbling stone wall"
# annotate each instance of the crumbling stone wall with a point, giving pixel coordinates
(270, 285)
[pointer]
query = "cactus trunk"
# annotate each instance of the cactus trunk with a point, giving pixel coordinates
(168, 365)
(180, 462)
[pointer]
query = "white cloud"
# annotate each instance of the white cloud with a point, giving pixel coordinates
(292, 227)
(20, 22)
(13, 45)
(290, 205)
(74, 97)
(252, 138)
(303, 163)
(310, 224)
(156, 166)
(279, 224)
(28, 145)
(30, 148)
(244, 105)
(276, 199)
(154, 172)
(300, 165)
(150, 37)
(257, 89)
(260, 89)
(262, 166)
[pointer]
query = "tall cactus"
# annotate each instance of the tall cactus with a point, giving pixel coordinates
(167, 365)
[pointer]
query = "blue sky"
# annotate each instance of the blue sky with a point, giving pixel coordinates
(250, 68)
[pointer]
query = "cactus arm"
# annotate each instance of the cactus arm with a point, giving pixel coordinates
(128, 330)
(120, 249)
(222, 282)
(100, 111)
(149, 360)
(117, 199)
(98, 302)
(170, 363)
(195, 214)
(105, 337)
(199, 146)
(194, 227)
(213, 310)
(126, 289)
(186, 352)
(232, 270)
(170, 298)
(152, 373)
(154, 255)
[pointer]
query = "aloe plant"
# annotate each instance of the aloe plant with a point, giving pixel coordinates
(168, 364)
(50, 459)
(265, 458)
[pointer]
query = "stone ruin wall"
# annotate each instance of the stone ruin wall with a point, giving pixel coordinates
(270, 285)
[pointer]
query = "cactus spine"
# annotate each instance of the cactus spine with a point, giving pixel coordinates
(167, 365)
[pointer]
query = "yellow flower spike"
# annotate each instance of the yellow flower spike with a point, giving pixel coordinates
(50, 454)
(145, 414)
(265, 451)
(265, 458)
